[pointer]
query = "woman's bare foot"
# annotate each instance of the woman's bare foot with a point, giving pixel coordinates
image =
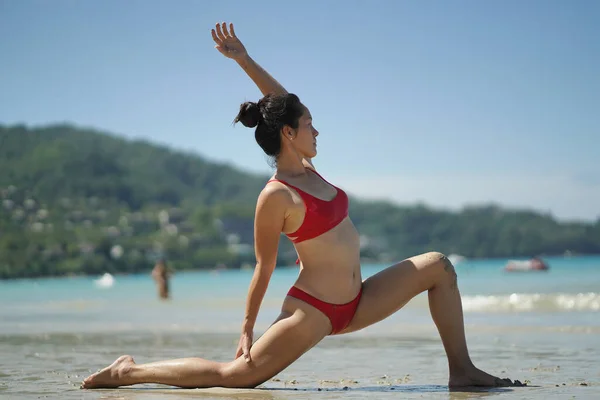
(112, 376)
(476, 377)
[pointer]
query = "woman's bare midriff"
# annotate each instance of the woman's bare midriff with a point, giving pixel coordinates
(330, 264)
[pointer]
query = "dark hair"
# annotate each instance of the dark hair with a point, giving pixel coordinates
(269, 116)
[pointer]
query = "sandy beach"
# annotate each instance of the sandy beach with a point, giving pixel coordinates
(56, 332)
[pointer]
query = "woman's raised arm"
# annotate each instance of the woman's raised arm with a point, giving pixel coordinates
(230, 46)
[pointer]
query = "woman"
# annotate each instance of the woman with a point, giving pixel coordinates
(161, 275)
(329, 296)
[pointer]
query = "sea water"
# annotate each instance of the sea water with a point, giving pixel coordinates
(541, 326)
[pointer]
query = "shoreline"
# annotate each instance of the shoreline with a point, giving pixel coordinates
(283, 267)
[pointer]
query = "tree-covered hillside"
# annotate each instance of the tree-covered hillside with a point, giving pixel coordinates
(80, 201)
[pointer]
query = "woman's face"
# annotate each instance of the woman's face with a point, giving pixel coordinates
(305, 138)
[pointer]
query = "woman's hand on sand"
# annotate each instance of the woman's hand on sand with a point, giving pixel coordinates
(227, 43)
(244, 345)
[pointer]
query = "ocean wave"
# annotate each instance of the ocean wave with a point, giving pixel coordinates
(524, 302)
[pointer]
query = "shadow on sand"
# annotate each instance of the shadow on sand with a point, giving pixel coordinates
(282, 393)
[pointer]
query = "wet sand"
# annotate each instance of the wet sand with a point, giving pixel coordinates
(359, 366)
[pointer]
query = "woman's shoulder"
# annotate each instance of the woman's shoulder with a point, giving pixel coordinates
(275, 192)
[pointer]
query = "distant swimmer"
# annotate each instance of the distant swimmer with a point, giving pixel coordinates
(161, 275)
(329, 296)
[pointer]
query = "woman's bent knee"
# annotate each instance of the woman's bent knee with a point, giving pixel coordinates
(435, 257)
(443, 266)
(438, 266)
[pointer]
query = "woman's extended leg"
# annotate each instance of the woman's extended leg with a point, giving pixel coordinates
(389, 290)
(299, 328)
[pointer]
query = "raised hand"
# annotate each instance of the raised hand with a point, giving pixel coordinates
(231, 47)
(227, 43)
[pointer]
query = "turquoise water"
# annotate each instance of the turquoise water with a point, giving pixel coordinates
(541, 326)
(567, 295)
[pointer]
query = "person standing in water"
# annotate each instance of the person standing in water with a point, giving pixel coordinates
(161, 275)
(329, 296)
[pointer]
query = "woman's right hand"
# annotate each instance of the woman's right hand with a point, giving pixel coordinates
(244, 345)
(227, 43)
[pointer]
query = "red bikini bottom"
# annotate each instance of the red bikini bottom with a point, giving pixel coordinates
(340, 315)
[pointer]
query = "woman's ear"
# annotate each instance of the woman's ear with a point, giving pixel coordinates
(288, 132)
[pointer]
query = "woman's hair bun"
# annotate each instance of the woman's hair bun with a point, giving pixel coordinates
(249, 114)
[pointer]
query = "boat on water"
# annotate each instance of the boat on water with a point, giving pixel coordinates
(534, 264)
(105, 281)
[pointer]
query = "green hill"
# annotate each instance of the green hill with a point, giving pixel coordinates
(81, 201)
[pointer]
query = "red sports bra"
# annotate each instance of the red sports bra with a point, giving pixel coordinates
(321, 215)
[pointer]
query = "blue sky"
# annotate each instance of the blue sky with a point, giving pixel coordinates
(446, 103)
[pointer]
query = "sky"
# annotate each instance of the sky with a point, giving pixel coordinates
(443, 103)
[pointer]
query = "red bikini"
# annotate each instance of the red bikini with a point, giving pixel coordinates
(340, 315)
(320, 217)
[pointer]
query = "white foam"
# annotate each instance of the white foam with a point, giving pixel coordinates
(523, 302)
